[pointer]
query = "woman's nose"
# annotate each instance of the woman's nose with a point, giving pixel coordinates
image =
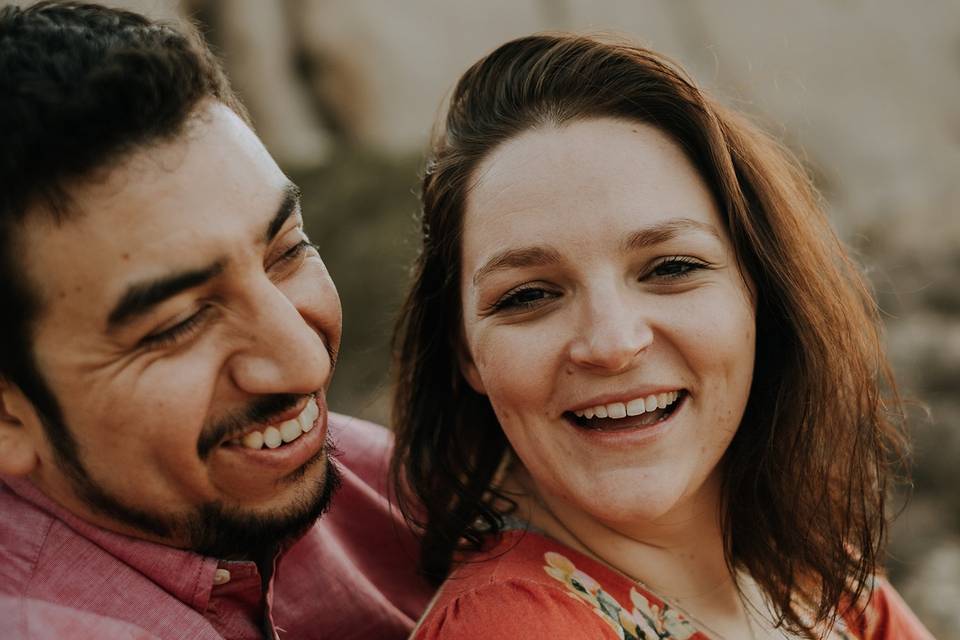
(614, 331)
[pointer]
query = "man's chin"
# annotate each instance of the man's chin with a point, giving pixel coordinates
(229, 532)
(215, 529)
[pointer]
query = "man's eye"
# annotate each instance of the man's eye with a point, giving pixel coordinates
(176, 333)
(294, 253)
(297, 250)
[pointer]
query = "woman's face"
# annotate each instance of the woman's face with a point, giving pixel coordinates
(605, 318)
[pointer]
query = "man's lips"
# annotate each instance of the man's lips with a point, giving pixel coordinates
(275, 420)
(282, 429)
(239, 457)
(261, 413)
(292, 412)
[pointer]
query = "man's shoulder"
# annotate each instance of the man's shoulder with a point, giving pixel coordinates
(360, 554)
(359, 431)
(23, 531)
(362, 446)
(32, 619)
(59, 573)
(41, 576)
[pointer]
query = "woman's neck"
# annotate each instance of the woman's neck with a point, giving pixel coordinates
(680, 557)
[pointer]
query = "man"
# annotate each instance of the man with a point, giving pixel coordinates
(168, 337)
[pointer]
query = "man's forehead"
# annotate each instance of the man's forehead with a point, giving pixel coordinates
(167, 206)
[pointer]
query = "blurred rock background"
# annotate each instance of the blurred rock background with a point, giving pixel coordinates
(866, 93)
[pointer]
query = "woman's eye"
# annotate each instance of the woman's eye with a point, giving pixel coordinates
(176, 333)
(677, 267)
(524, 298)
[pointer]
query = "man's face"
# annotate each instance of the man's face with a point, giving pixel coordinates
(182, 310)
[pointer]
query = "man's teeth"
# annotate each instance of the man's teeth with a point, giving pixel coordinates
(635, 407)
(273, 436)
(253, 440)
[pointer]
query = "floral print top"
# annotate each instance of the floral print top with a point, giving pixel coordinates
(528, 586)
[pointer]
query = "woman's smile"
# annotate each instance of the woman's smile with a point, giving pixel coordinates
(639, 412)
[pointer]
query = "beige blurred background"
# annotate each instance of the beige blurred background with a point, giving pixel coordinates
(867, 93)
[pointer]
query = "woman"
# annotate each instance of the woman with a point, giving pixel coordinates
(640, 382)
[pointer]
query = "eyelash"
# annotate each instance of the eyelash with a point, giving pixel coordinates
(177, 332)
(512, 299)
(296, 251)
(687, 264)
(174, 334)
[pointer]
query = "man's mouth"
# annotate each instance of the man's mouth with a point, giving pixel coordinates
(277, 435)
(634, 413)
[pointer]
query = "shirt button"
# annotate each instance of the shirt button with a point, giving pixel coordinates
(221, 576)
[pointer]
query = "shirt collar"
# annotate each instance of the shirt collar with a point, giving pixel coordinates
(186, 575)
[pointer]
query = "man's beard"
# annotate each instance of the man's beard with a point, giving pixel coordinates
(213, 528)
(223, 532)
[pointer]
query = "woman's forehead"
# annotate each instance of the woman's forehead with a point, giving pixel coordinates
(584, 178)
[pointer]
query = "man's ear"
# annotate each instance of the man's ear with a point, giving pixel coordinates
(18, 446)
(469, 370)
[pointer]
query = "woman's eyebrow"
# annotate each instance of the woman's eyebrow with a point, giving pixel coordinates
(664, 231)
(517, 258)
(538, 256)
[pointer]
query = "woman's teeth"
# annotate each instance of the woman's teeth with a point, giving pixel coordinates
(273, 436)
(635, 407)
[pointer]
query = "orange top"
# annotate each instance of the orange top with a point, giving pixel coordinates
(528, 586)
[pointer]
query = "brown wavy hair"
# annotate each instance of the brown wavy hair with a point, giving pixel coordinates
(806, 477)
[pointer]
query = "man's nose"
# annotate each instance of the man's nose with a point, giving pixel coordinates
(282, 352)
(613, 331)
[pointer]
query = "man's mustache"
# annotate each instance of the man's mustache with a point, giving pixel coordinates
(236, 423)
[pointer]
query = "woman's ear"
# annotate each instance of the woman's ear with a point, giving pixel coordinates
(469, 370)
(18, 446)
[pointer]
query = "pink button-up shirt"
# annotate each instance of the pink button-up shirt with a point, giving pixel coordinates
(352, 576)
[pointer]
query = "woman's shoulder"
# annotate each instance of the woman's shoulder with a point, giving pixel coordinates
(511, 609)
(529, 586)
(887, 617)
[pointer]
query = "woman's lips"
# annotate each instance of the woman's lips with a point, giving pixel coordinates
(621, 416)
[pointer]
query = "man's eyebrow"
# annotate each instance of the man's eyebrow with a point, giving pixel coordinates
(289, 204)
(667, 230)
(140, 297)
(517, 258)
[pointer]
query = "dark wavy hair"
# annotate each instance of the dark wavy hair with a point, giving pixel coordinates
(81, 86)
(805, 479)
